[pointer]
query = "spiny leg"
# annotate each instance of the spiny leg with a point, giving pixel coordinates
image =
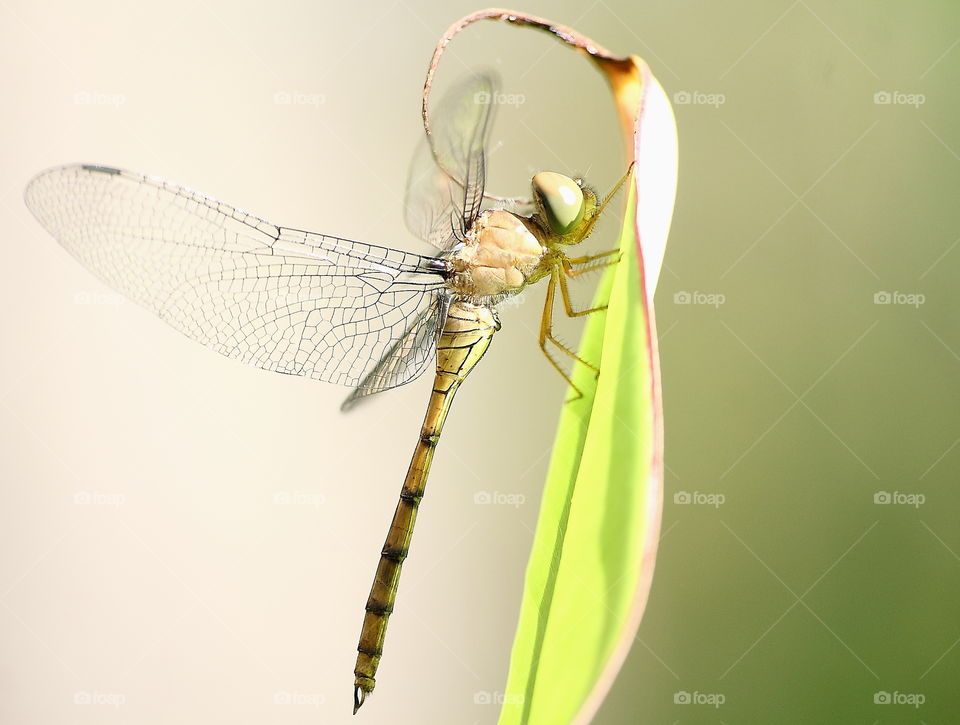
(546, 333)
(568, 268)
(571, 262)
(557, 277)
(546, 327)
(588, 227)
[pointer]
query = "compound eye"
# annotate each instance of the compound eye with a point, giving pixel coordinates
(561, 200)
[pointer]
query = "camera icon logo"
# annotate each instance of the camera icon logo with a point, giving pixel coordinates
(883, 98)
(682, 698)
(682, 298)
(682, 98)
(882, 698)
(882, 498)
(682, 497)
(482, 98)
(882, 298)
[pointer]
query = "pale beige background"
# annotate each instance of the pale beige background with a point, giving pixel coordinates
(148, 560)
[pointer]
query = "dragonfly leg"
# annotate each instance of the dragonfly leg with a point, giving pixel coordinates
(546, 334)
(585, 264)
(569, 271)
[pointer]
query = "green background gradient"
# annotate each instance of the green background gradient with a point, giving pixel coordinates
(193, 540)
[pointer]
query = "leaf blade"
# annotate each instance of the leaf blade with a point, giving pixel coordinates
(594, 548)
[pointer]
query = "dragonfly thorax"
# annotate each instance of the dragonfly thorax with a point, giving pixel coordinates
(498, 256)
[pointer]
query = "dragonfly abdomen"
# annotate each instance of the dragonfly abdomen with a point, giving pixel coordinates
(464, 339)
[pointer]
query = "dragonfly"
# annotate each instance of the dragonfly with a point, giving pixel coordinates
(342, 311)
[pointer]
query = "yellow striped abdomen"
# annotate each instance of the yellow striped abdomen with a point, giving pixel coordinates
(464, 339)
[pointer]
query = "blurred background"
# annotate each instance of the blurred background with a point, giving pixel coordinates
(186, 539)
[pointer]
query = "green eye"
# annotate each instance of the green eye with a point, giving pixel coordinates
(561, 200)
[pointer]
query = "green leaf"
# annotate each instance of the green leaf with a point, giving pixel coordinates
(593, 553)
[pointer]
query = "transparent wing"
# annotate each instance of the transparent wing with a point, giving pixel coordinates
(414, 349)
(431, 207)
(281, 299)
(445, 185)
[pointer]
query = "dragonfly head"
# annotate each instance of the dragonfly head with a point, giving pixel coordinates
(559, 200)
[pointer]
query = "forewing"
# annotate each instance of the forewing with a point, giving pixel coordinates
(446, 182)
(432, 204)
(281, 299)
